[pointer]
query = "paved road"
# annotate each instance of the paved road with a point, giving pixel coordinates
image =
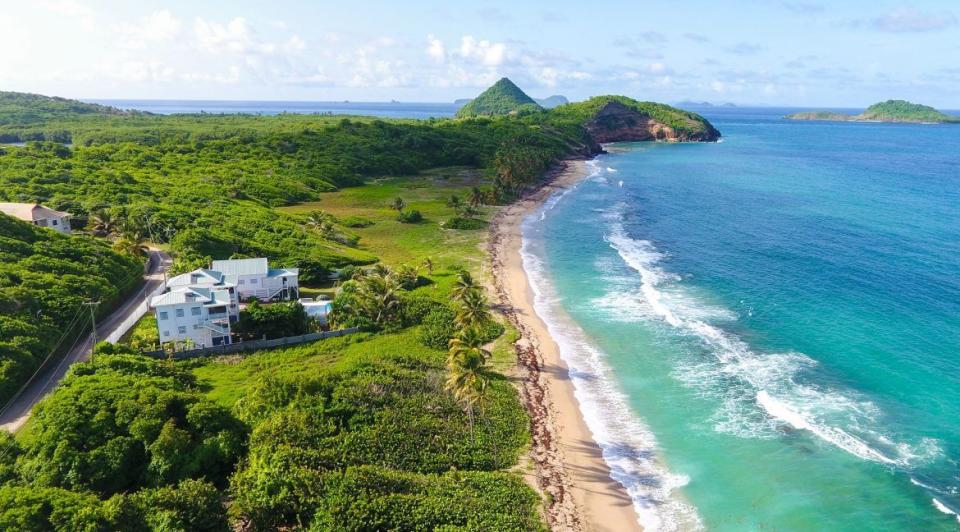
(111, 328)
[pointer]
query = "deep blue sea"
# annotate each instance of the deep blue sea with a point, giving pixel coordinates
(382, 109)
(764, 333)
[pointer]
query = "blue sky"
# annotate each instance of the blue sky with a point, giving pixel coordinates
(796, 52)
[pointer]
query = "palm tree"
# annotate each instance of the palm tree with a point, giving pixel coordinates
(378, 296)
(428, 264)
(316, 219)
(131, 244)
(476, 197)
(466, 372)
(467, 381)
(456, 203)
(102, 223)
(468, 343)
(473, 310)
(463, 284)
(398, 204)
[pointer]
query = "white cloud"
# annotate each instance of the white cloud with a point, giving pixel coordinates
(910, 20)
(435, 49)
(138, 71)
(234, 37)
(73, 9)
(484, 52)
(157, 27)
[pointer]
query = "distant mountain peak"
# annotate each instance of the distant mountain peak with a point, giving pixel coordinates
(502, 98)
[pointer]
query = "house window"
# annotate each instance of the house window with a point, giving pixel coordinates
(253, 281)
(179, 312)
(196, 326)
(194, 311)
(54, 222)
(241, 281)
(166, 333)
(163, 315)
(182, 329)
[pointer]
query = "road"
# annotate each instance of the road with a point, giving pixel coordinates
(111, 328)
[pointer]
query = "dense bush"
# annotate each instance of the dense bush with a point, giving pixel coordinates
(122, 422)
(411, 216)
(45, 277)
(356, 221)
(438, 327)
(376, 498)
(277, 320)
(459, 222)
(382, 405)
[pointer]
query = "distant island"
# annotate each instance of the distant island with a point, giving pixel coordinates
(690, 103)
(888, 111)
(551, 101)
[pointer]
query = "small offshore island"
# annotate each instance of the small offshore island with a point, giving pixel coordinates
(888, 111)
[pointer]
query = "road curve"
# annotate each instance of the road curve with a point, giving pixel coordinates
(111, 328)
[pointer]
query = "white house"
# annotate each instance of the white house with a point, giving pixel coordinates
(254, 278)
(38, 215)
(199, 306)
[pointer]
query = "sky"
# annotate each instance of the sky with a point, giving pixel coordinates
(792, 52)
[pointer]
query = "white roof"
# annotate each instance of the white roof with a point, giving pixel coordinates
(241, 266)
(192, 294)
(30, 211)
(200, 276)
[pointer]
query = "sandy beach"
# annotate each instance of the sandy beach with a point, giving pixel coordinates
(569, 465)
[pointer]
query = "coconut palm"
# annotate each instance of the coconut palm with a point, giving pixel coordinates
(476, 197)
(398, 204)
(131, 244)
(463, 284)
(468, 383)
(316, 219)
(378, 296)
(468, 342)
(103, 223)
(473, 310)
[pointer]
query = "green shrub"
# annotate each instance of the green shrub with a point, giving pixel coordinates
(277, 320)
(356, 222)
(460, 222)
(411, 216)
(438, 328)
(417, 306)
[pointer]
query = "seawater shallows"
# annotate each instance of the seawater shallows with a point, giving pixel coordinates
(764, 333)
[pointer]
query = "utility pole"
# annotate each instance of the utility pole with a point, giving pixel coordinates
(93, 318)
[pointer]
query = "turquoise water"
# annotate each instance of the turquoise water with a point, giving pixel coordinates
(765, 332)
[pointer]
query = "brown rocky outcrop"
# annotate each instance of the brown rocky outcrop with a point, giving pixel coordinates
(616, 122)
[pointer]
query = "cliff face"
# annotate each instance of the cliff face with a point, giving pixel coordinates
(616, 122)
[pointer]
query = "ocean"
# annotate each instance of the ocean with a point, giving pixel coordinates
(381, 109)
(764, 333)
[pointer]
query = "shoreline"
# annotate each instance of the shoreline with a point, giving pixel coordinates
(570, 469)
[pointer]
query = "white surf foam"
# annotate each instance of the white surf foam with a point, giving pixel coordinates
(943, 508)
(759, 393)
(628, 447)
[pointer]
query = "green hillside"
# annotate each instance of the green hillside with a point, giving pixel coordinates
(26, 108)
(904, 111)
(612, 112)
(44, 278)
(502, 98)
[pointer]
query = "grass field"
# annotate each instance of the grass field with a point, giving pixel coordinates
(398, 243)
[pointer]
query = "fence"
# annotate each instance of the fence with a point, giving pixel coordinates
(253, 345)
